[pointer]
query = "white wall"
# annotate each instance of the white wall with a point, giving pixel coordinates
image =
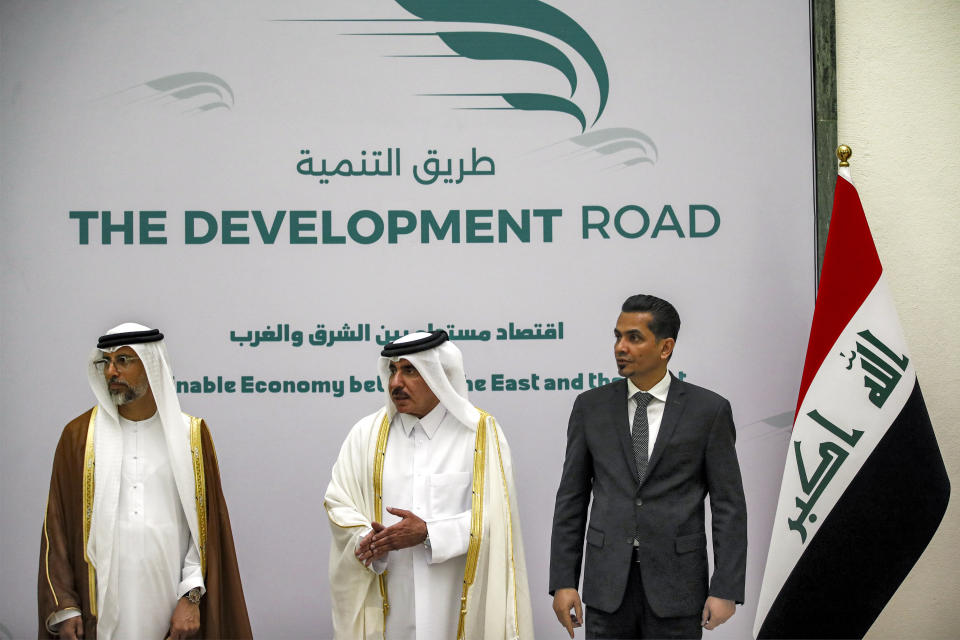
(899, 109)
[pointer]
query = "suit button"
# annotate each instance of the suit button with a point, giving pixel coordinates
(639, 502)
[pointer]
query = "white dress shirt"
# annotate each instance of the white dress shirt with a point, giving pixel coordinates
(428, 469)
(654, 408)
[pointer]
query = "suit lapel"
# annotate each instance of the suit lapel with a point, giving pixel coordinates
(616, 418)
(676, 398)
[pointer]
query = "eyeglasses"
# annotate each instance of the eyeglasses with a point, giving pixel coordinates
(121, 362)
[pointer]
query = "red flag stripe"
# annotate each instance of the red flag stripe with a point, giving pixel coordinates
(851, 269)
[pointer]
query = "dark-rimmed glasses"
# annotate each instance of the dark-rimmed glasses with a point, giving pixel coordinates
(121, 362)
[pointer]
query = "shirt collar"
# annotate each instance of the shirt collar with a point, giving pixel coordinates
(658, 391)
(429, 423)
(140, 423)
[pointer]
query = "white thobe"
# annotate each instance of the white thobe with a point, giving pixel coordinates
(428, 469)
(156, 558)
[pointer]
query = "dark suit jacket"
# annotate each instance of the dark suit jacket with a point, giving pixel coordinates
(693, 456)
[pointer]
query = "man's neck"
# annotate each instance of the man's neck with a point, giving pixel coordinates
(427, 412)
(648, 381)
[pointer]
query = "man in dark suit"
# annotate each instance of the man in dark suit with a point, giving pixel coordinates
(649, 448)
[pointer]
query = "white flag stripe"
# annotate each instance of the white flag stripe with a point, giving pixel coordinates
(839, 396)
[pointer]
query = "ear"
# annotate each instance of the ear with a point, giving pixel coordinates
(666, 348)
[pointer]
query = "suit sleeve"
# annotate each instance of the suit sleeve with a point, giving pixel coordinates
(728, 508)
(570, 510)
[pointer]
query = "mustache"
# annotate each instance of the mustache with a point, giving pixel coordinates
(399, 394)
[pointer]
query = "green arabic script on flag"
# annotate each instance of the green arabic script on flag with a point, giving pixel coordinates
(832, 456)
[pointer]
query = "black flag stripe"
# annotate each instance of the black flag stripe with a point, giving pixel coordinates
(871, 539)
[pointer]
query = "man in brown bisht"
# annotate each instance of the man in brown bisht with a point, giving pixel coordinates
(136, 539)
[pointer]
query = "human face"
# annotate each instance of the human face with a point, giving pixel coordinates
(129, 384)
(640, 356)
(409, 391)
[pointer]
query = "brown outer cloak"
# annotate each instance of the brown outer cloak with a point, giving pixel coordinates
(223, 610)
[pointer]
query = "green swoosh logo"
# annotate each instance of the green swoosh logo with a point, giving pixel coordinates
(527, 14)
(532, 15)
(481, 45)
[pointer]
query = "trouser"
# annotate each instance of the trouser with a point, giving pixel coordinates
(634, 618)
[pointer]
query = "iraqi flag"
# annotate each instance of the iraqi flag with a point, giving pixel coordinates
(864, 486)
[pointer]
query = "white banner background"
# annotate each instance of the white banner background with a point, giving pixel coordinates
(723, 91)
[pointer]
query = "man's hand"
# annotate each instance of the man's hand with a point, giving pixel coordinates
(716, 611)
(409, 532)
(185, 621)
(364, 552)
(71, 628)
(563, 601)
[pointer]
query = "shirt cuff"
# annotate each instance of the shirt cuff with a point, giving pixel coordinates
(449, 538)
(379, 565)
(191, 575)
(186, 586)
(58, 617)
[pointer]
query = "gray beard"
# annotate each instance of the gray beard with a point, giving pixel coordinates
(120, 398)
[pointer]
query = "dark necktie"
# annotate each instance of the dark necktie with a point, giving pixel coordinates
(641, 433)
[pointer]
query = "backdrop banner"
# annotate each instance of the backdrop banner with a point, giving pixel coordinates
(283, 187)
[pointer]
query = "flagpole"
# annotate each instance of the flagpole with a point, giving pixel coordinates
(880, 488)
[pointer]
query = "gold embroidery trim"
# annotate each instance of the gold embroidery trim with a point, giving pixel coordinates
(476, 519)
(46, 537)
(89, 463)
(200, 490)
(378, 460)
(334, 521)
(506, 491)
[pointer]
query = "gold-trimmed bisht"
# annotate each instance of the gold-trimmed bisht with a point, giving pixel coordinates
(200, 489)
(46, 555)
(513, 568)
(476, 518)
(378, 460)
(89, 462)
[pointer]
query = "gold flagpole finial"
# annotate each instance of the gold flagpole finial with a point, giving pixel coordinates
(844, 152)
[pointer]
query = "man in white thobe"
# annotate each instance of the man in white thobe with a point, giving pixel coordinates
(135, 509)
(422, 505)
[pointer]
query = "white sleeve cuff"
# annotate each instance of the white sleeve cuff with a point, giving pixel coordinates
(449, 538)
(58, 617)
(191, 576)
(379, 565)
(186, 586)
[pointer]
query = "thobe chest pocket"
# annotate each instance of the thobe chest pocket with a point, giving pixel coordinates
(450, 493)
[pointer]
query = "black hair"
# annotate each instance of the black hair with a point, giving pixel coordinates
(665, 321)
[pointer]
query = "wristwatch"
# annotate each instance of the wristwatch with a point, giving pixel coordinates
(193, 595)
(426, 543)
